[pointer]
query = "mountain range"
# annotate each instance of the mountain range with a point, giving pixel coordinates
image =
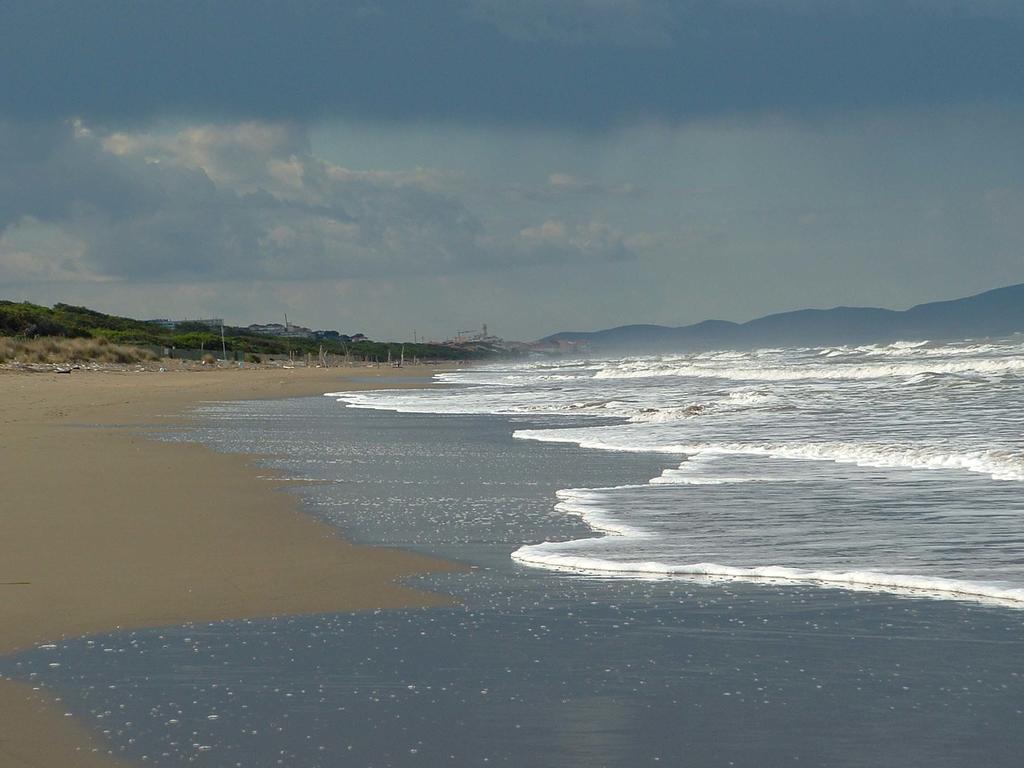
(998, 312)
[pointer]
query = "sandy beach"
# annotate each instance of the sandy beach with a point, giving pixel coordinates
(103, 529)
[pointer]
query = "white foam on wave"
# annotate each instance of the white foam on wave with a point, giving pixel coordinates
(664, 415)
(552, 556)
(468, 401)
(808, 372)
(575, 438)
(587, 503)
(750, 397)
(930, 349)
(684, 476)
(384, 401)
(996, 463)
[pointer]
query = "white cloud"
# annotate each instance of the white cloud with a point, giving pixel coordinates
(591, 240)
(565, 183)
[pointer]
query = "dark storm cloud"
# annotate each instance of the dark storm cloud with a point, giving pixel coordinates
(45, 175)
(576, 63)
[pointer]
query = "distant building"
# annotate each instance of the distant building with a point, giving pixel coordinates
(289, 331)
(474, 337)
(268, 329)
(210, 322)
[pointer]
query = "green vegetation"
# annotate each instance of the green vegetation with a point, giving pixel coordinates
(25, 320)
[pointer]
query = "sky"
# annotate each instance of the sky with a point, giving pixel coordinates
(395, 167)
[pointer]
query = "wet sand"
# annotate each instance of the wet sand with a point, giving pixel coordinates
(102, 529)
(34, 732)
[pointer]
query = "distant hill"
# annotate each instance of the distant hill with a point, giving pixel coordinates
(993, 313)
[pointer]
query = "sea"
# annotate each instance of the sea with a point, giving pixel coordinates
(776, 557)
(893, 467)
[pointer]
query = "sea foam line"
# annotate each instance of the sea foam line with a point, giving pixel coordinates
(802, 372)
(998, 464)
(538, 555)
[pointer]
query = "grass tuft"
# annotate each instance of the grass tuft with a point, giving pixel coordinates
(56, 350)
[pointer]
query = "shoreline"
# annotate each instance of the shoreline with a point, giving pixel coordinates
(104, 529)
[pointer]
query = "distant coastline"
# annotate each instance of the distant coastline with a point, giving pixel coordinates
(998, 312)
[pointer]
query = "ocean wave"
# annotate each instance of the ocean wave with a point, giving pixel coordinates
(585, 503)
(810, 372)
(551, 555)
(999, 464)
(663, 415)
(747, 397)
(919, 349)
(906, 406)
(590, 505)
(684, 476)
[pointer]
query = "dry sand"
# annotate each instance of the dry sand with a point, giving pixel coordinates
(103, 529)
